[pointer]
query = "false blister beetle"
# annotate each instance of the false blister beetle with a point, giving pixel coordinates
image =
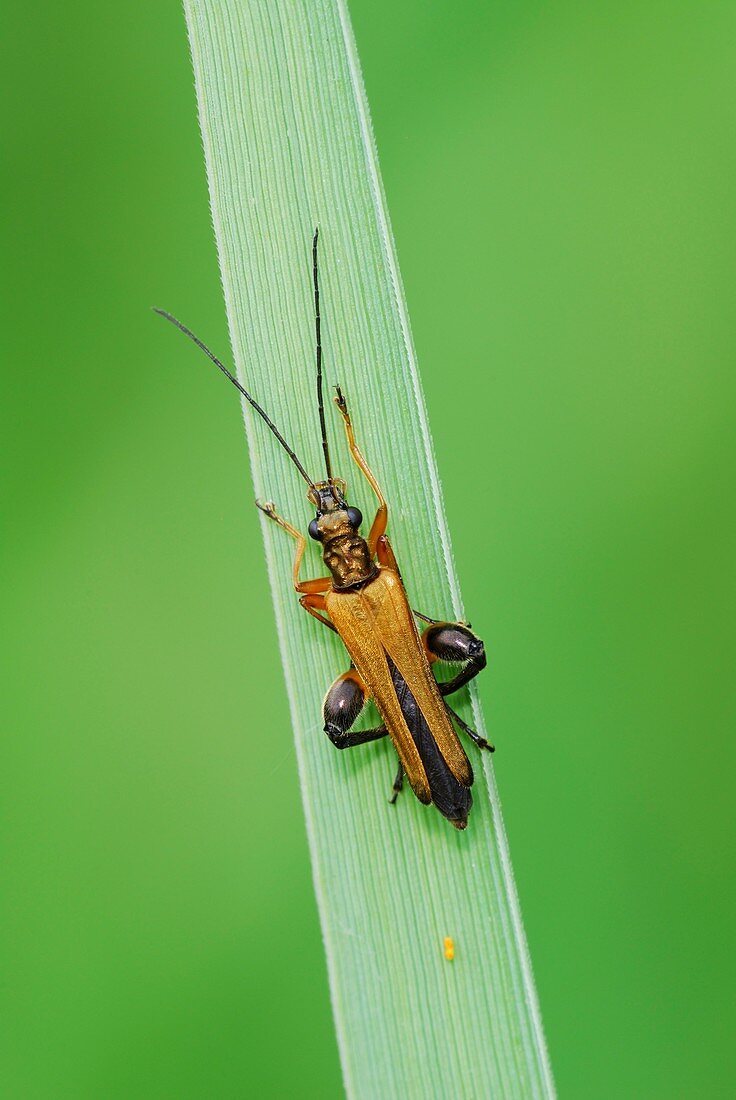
(364, 601)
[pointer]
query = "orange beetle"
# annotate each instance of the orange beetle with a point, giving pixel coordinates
(364, 600)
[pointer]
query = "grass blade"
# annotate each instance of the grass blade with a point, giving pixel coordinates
(288, 146)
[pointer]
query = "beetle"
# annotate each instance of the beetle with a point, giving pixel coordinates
(363, 599)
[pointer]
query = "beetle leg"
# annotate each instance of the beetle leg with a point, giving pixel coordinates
(385, 554)
(341, 709)
(381, 517)
(456, 643)
(436, 622)
(319, 584)
(398, 784)
(425, 618)
(314, 604)
(476, 737)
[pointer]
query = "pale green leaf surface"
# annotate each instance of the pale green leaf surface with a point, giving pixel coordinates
(288, 146)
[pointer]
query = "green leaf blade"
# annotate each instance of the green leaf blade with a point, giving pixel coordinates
(288, 146)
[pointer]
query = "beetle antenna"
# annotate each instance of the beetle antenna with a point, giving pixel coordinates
(318, 340)
(251, 400)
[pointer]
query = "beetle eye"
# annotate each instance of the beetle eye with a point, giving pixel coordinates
(314, 530)
(355, 517)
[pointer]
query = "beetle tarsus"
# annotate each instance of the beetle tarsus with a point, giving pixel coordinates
(398, 785)
(481, 742)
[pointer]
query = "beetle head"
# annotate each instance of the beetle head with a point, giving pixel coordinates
(334, 515)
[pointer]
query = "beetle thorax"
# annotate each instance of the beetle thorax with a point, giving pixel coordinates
(346, 553)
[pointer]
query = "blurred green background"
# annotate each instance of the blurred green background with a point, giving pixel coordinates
(560, 179)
